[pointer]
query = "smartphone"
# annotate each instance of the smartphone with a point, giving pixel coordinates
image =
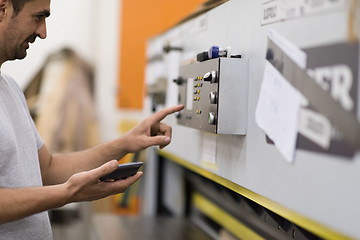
(123, 171)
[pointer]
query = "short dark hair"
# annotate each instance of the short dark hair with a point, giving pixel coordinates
(18, 5)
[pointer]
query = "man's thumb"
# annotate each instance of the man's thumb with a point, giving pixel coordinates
(106, 168)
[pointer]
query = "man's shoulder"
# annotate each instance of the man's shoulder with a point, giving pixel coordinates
(11, 82)
(8, 79)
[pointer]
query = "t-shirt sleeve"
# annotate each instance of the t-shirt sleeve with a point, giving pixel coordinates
(15, 87)
(39, 141)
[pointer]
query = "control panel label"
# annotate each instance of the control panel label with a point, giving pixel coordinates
(282, 10)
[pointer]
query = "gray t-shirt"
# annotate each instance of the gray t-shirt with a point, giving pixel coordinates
(19, 161)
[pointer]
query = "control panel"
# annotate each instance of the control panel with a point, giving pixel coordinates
(215, 95)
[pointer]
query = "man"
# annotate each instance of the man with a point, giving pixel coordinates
(32, 180)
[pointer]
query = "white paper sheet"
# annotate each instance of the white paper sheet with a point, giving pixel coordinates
(278, 110)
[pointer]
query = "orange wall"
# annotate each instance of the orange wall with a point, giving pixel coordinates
(142, 19)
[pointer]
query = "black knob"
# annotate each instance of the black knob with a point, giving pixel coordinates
(269, 54)
(178, 115)
(167, 48)
(179, 81)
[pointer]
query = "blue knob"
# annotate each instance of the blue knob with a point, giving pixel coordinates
(214, 52)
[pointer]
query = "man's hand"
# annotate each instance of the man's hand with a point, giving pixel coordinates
(86, 186)
(151, 131)
(58, 168)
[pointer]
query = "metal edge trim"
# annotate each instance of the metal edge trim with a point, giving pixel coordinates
(223, 218)
(304, 222)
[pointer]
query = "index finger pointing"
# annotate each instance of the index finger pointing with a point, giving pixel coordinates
(157, 117)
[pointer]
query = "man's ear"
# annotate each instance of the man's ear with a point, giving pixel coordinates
(4, 6)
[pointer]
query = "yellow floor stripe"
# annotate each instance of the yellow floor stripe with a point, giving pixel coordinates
(224, 219)
(306, 223)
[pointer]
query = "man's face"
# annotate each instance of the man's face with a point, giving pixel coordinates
(23, 29)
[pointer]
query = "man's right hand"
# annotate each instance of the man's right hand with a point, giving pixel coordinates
(86, 186)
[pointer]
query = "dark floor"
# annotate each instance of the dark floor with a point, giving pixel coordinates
(110, 227)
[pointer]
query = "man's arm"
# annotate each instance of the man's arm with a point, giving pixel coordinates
(76, 175)
(17, 203)
(58, 168)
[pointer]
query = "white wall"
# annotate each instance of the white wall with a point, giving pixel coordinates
(70, 24)
(91, 28)
(107, 35)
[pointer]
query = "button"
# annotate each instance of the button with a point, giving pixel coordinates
(212, 118)
(213, 97)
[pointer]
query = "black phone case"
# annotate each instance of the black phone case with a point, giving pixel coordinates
(123, 171)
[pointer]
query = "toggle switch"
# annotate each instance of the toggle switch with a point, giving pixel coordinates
(210, 77)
